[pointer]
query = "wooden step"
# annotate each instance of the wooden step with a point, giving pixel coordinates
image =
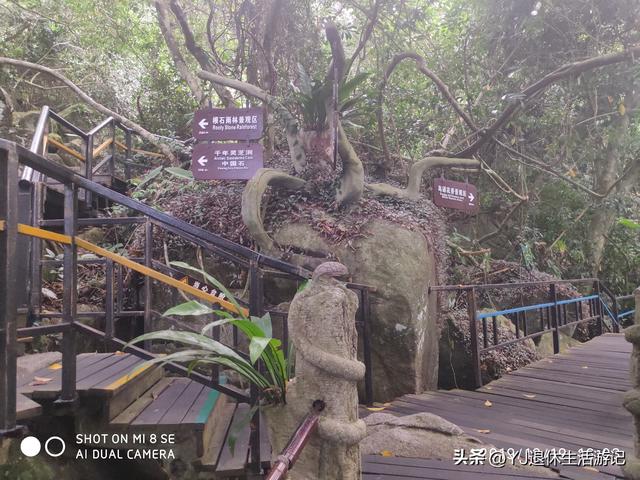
(104, 375)
(176, 405)
(232, 462)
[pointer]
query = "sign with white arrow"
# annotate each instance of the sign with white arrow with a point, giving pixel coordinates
(228, 123)
(226, 161)
(457, 195)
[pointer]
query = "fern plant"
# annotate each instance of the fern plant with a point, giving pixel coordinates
(202, 349)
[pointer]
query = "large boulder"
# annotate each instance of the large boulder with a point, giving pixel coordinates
(401, 265)
(421, 435)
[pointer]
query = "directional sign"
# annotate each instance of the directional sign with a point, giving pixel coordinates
(226, 161)
(458, 195)
(205, 287)
(228, 123)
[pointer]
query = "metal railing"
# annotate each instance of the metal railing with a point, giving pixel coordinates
(258, 267)
(535, 320)
(288, 457)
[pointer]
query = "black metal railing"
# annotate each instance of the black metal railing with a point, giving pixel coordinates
(531, 321)
(258, 267)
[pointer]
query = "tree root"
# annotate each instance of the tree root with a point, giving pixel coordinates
(252, 202)
(412, 192)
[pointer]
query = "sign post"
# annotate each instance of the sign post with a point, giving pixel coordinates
(457, 195)
(227, 161)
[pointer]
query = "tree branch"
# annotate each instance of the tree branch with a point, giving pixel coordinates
(567, 70)
(412, 192)
(442, 87)
(197, 51)
(145, 134)
(178, 59)
(366, 34)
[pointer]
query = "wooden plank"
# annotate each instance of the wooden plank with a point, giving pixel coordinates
(26, 408)
(132, 391)
(216, 442)
(187, 398)
(83, 371)
(234, 462)
(136, 408)
(163, 403)
(120, 364)
(524, 410)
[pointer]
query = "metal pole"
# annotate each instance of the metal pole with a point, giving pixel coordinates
(148, 261)
(109, 304)
(366, 341)
(599, 309)
(112, 162)
(127, 155)
(473, 330)
(553, 298)
(88, 168)
(256, 308)
(70, 295)
(8, 273)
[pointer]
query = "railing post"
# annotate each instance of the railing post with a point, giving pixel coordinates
(88, 160)
(599, 308)
(365, 308)
(616, 313)
(112, 162)
(127, 157)
(109, 301)
(555, 328)
(8, 287)
(473, 331)
(148, 261)
(256, 308)
(70, 294)
(35, 266)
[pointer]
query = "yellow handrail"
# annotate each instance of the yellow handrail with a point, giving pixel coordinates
(161, 277)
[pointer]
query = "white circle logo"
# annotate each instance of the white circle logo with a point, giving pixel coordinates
(54, 455)
(30, 446)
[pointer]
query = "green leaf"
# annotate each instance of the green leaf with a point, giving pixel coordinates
(264, 323)
(256, 347)
(627, 222)
(212, 280)
(189, 338)
(179, 172)
(192, 307)
(149, 176)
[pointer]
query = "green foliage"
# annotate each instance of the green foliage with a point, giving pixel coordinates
(313, 95)
(203, 350)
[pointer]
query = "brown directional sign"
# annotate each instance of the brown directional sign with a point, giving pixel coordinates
(228, 123)
(458, 195)
(226, 161)
(205, 287)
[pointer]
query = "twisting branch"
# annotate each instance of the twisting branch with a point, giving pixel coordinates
(565, 71)
(145, 134)
(182, 67)
(501, 225)
(197, 51)
(442, 87)
(366, 34)
(412, 192)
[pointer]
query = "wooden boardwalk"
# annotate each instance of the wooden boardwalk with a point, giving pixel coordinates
(571, 401)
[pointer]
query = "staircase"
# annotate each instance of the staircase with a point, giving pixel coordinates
(111, 391)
